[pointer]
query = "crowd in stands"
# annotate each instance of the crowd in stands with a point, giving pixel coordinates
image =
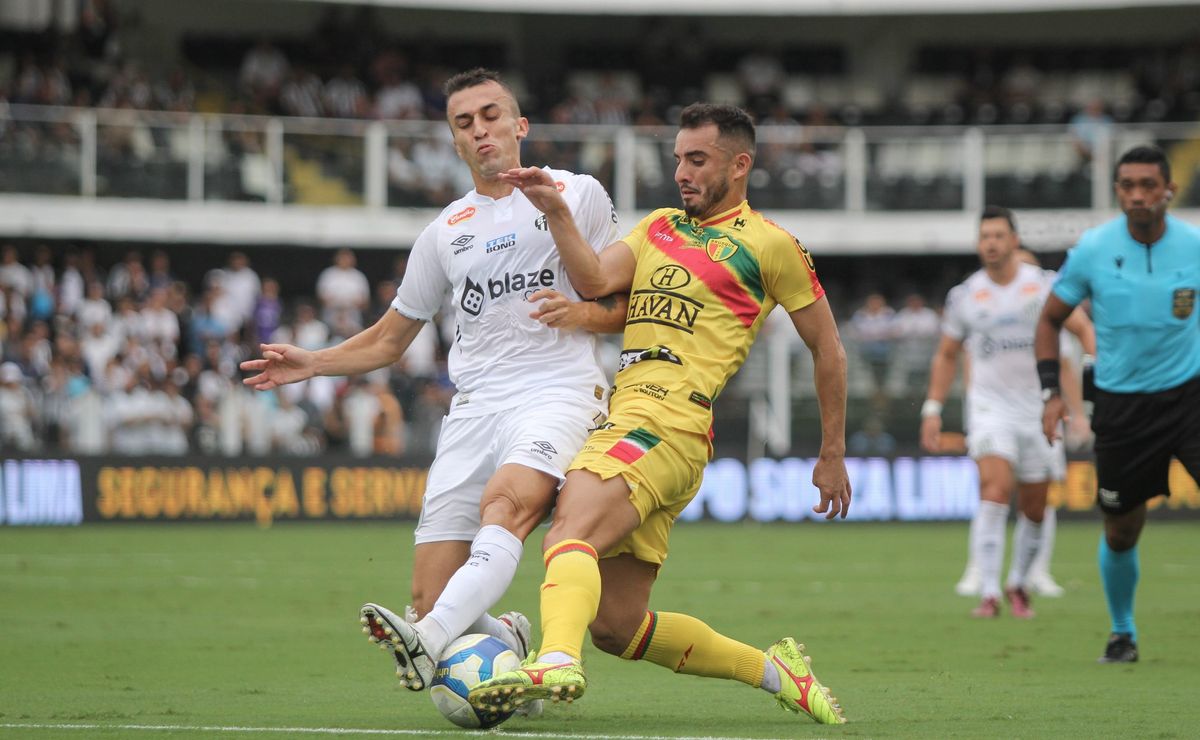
(127, 360)
(348, 68)
(130, 358)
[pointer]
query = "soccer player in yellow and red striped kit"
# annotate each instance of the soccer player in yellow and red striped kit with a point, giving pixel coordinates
(701, 280)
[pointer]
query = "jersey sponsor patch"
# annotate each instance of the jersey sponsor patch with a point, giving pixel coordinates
(462, 215)
(634, 356)
(700, 400)
(663, 308)
(472, 297)
(654, 390)
(670, 277)
(500, 243)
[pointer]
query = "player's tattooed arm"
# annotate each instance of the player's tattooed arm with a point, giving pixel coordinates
(608, 314)
(604, 315)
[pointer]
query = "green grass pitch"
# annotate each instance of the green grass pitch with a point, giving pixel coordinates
(114, 628)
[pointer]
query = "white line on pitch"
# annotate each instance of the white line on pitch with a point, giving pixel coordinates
(533, 735)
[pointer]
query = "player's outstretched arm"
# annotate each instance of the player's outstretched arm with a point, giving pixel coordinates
(1045, 347)
(593, 275)
(941, 376)
(602, 316)
(819, 331)
(374, 347)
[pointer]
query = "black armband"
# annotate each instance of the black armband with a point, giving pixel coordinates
(1047, 371)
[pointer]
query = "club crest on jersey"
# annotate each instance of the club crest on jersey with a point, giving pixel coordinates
(462, 215)
(1183, 301)
(720, 248)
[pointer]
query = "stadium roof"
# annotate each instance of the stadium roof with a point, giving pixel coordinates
(765, 7)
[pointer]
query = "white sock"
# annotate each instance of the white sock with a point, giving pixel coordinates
(555, 657)
(1041, 564)
(770, 682)
(1027, 540)
(473, 589)
(987, 538)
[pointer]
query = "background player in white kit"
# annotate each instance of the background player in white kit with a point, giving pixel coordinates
(1039, 580)
(529, 385)
(993, 313)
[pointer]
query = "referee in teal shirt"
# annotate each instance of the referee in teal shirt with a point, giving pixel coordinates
(1142, 274)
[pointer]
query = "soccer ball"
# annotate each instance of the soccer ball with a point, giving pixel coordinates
(467, 661)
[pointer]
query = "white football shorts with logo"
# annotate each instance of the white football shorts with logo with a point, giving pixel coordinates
(1022, 444)
(544, 434)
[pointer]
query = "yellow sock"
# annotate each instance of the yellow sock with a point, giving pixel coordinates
(570, 596)
(686, 645)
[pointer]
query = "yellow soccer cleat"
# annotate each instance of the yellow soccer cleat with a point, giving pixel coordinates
(532, 681)
(801, 691)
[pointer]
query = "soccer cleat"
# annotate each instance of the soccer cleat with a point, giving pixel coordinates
(1018, 602)
(1043, 584)
(414, 667)
(801, 691)
(970, 584)
(530, 682)
(1120, 649)
(987, 609)
(521, 630)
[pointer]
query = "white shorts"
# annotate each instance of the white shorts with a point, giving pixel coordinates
(544, 435)
(1022, 444)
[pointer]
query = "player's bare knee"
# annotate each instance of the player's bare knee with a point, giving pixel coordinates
(504, 508)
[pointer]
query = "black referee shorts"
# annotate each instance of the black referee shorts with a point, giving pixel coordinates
(1137, 434)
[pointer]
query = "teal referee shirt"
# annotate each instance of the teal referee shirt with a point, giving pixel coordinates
(1143, 304)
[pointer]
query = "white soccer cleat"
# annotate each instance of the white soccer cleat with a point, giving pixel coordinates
(1043, 584)
(521, 632)
(971, 583)
(414, 667)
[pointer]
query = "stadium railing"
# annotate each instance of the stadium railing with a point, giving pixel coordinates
(122, 153)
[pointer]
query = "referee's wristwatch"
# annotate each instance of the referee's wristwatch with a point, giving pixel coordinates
(1048, 393)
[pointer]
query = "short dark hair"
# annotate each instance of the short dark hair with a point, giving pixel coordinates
(1145, 155)
(473, 77)
(990, 212)
(730, 120)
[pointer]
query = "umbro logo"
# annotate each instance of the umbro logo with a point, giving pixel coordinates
(463, 243)
(543, 445)
(1110, 498)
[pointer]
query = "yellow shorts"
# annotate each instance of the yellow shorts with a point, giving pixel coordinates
(663, 468)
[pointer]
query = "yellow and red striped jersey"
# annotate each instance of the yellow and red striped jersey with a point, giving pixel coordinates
(700, 293)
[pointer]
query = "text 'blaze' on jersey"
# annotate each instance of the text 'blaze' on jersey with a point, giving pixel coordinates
(488, 256)
(700, 294)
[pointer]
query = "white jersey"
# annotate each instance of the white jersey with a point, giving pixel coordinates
(997, 324)
(493, 254)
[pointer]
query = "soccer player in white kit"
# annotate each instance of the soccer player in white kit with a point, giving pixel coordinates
(993, 314)
(524, 364)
